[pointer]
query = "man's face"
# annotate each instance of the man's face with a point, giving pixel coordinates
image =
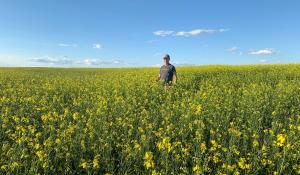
(166, 61)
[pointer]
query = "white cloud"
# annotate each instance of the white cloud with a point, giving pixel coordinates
(51, 60)
(97, 46)
(179, 63)
(198, 32)
(263, 60)
(233, 49)
(67, 45)
(194, 32)
(223, 30)
(64, 61)
(163, 32)
(98, 62)
(263, 52)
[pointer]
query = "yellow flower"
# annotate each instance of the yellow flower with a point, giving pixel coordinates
(45, 165)
(281, 138)
(255, 143)
(148, 162)
(57, 141)
(264, 148)
(14, 165)
(75, 116)
(165, 144)
(4, 167)
(202, 147)
(95, 163)
(197, 169)
(213, 143)
(266, 162)
(216, 158)
(41, 155)
(228, 167)
(184, 150)
(148, 155)
(198, 109)
(236, 173)
(84, 165)
(154, 172)
(137, 146)
(37, 146)
(235, 132)
(242, 164)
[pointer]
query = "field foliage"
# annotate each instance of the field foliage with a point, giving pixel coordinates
(215, 120)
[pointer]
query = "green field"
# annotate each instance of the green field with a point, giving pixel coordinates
(215, 120)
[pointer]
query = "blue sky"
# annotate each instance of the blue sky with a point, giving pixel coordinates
(133, 33)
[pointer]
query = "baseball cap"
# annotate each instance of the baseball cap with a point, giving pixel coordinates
(167, 56)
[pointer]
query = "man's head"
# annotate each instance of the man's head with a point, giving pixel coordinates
(166, 59)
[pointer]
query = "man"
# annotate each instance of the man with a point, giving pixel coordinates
(167, 74)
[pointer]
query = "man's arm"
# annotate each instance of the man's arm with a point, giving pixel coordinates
(174, 77)
(158, 77)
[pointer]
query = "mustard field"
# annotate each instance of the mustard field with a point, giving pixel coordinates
(215, 120)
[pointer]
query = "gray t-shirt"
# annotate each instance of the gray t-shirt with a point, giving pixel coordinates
(167, 72)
